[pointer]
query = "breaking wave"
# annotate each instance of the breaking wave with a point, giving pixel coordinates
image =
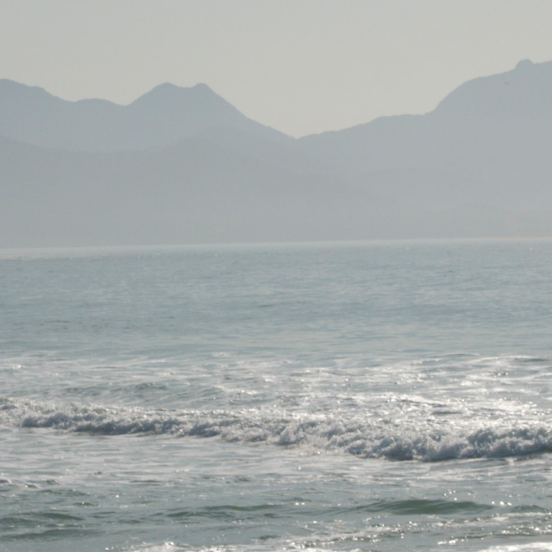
(414, 439)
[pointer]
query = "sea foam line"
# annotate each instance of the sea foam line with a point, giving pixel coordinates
(361, 435)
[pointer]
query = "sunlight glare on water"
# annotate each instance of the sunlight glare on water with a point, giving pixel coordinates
(376, 396)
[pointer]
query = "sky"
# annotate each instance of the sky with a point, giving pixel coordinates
(301, 66)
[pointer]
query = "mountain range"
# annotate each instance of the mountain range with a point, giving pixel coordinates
(182, 165)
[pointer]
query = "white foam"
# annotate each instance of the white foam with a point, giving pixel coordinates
(528, 547)
(392, 437)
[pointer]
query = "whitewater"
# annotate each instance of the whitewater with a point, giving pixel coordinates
(374, 396)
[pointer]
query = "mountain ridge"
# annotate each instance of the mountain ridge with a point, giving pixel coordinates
(206, 173)
(497, 151)
(156, 119)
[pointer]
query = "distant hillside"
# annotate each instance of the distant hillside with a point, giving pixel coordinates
(184, 166)
(160, 118)
(487, 142)
(195, 192)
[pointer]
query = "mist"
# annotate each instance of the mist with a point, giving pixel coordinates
(182, 165)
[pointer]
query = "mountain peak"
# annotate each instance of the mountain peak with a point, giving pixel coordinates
(520, 91)
(201, 86)
(10, 88)
(166, 87)
(168, 93)
(524, 64)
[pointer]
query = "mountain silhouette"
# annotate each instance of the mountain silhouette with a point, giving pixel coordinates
(160, 118)
(487, 142)
(182, 165)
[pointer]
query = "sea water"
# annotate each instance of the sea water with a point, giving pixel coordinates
(337, 397)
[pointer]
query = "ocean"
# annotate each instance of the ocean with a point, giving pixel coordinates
(377, 396)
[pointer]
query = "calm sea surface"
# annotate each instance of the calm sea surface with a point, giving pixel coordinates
(335, 397)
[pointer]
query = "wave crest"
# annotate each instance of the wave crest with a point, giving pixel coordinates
(362, 436)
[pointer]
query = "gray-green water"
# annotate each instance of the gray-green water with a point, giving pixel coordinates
(378, 396)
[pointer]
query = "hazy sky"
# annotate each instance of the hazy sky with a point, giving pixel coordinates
(301, 66)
